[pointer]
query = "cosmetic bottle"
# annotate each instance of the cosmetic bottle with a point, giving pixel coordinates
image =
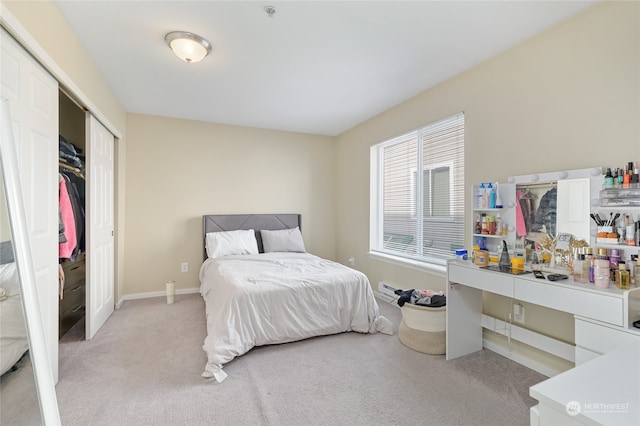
(492, 225)
(478, 196)
(608, 179)
(498, 224)
(602, 271)
(484, 225)
(577, 267)
(498, 199)
(492, 196)
(622, 277)
(587, 265)
(485, 197)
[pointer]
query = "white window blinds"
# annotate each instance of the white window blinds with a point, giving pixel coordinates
(419, 215)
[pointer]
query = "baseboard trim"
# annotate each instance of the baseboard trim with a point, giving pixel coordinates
(154, 294)
(521, 359)
(385, 298)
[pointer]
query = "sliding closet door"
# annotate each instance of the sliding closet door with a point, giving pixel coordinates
(33, 101)
(100, 221)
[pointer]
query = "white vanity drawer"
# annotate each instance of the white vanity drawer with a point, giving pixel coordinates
(601, 339)
(494, 282)
(574, 301)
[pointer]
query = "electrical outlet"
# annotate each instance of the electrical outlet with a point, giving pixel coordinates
(184, 267)
(352, 261)
(518, 313)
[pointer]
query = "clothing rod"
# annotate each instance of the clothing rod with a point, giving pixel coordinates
(536, 185)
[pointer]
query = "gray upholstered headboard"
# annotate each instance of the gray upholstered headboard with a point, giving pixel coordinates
(6, 252)
(233, 222)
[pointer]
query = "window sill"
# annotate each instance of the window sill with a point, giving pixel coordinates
(439, 270)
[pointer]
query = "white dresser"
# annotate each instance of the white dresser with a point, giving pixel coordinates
(603, 317)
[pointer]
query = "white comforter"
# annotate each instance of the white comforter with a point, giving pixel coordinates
(13, 332)
(254, 300)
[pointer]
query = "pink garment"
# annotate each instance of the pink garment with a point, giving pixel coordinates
(430, 293)
(521, 228)
(66, 249)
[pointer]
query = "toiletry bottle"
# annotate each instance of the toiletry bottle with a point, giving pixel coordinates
(492, 225)
(602, 271)
(632, 270)
(485, 197)
(478, 226)
(498, 224)
(587, 267)
(478, 196)
(492, 196)
(622, 277)
(579, 270)
(498, 199)
(577, 267)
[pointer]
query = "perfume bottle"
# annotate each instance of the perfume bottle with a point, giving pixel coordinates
(622, 277)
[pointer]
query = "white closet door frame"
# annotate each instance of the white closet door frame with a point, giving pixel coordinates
(100, 225)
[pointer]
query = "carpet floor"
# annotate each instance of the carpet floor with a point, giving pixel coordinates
(143, 368)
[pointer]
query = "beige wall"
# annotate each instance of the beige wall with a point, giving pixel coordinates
(179, 170)
(566, 99)
(47, 27)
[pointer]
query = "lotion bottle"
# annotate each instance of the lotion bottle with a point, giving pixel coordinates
(492, 196)
(498, 200)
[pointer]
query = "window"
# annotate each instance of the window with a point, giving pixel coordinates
(419, 216)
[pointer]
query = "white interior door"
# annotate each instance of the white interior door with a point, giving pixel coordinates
(100, 221)
(33, 100)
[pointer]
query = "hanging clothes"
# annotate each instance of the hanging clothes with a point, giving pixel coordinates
(71, 164)
(66, 248)
(546, 213)
(521, 227)
(78, 214)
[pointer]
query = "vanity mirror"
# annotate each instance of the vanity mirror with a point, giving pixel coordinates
(27, 388)
(553, 213)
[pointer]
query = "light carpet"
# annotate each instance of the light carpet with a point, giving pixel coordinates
(143, 368)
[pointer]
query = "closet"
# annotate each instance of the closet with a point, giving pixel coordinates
(72, 252)
(41, 110)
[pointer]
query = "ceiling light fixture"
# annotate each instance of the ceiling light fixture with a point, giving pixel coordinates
(188, 46)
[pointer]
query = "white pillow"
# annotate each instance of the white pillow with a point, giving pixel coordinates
(227, 243)
(283, 240)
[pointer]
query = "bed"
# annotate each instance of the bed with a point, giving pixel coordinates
(13, 333)
(261, 287)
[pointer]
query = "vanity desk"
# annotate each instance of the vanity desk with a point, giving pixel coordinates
(603, 317)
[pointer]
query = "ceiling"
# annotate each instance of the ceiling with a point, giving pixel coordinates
(319, 67)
